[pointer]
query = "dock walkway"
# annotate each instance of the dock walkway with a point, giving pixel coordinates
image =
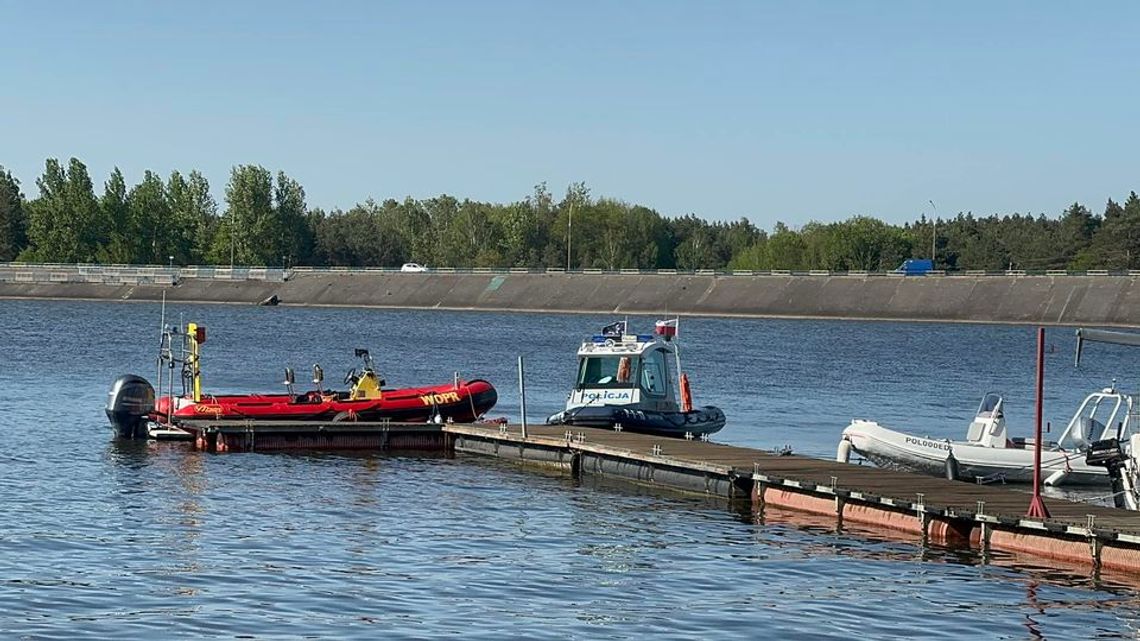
(929, 508)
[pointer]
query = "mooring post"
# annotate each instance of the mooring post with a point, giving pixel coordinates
(923, 517)
(758, 488)
(840, 504)
(522, 396)
(1095, 544)
(1037, 507)
(986, 530)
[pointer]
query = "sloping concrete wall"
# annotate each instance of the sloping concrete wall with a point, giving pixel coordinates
(1105, 300)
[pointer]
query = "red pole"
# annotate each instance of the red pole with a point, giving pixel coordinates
(1036, 505)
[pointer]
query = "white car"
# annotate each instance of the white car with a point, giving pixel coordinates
(413, 267)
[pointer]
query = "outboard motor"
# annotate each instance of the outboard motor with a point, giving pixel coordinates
(1107, 454)
(129, 402)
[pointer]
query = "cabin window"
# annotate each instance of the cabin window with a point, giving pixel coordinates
(652, 377)
(606, 371)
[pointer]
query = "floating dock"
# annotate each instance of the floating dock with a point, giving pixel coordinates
(930, 509)
(221, 436)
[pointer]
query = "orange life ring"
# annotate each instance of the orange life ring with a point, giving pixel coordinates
(686, 394)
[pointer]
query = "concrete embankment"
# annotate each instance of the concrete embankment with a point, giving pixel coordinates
(1071, 300)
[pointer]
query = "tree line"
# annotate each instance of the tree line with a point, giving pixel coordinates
(264, 220)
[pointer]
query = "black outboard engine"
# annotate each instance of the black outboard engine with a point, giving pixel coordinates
(129, 402)
(1107, 454)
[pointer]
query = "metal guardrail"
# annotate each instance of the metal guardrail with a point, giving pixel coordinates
(92, 273)
(164, 275)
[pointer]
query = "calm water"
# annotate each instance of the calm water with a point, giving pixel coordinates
(100, 539)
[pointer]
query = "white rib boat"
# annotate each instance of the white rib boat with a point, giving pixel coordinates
(1120, 455)
(989, 454)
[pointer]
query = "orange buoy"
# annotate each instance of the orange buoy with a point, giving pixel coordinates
(686, 394)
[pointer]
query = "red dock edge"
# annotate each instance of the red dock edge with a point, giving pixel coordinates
(1081, 547)
(220, 437)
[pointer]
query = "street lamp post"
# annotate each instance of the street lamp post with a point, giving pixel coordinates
(933, 235)
(171, 262)
(569, 226)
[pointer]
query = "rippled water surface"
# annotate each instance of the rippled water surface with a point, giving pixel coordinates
(101, 539)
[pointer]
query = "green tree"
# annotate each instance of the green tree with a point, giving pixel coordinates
(440, 213)
(468, 238)
(569, 241)
(362, 236)
(13, 227)
(182, 219)
(294, 236)
(695, 243)
(1116, 243)
(149, 212)
(869, 244)
(649, 238)
(204, 210)
(824, 246)
(264, 221)
(414, 226)
(1075, 232)
(626, 236)
(64, 223)
(785, 249)
(752, 257)
(113, 204)
(736, 237)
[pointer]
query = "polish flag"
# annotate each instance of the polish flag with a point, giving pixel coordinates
(666, 328)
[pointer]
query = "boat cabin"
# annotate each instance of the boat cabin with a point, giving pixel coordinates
(627, 369)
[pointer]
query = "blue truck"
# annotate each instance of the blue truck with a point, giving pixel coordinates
(915, 266)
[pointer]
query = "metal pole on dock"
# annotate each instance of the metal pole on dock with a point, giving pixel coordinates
(522, 396)
(1036, 505)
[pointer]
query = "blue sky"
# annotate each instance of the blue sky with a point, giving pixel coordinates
(787, 111)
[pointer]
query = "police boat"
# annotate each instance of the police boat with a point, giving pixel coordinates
(634, 382)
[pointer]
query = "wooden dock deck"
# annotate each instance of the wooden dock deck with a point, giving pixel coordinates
(933, 509)
(929, 508)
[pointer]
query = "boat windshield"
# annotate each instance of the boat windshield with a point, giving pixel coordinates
(990, 406)
(606, 371)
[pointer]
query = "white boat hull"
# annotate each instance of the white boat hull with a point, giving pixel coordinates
(897, 450)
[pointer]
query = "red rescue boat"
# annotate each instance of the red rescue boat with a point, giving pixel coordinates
(132, 405)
